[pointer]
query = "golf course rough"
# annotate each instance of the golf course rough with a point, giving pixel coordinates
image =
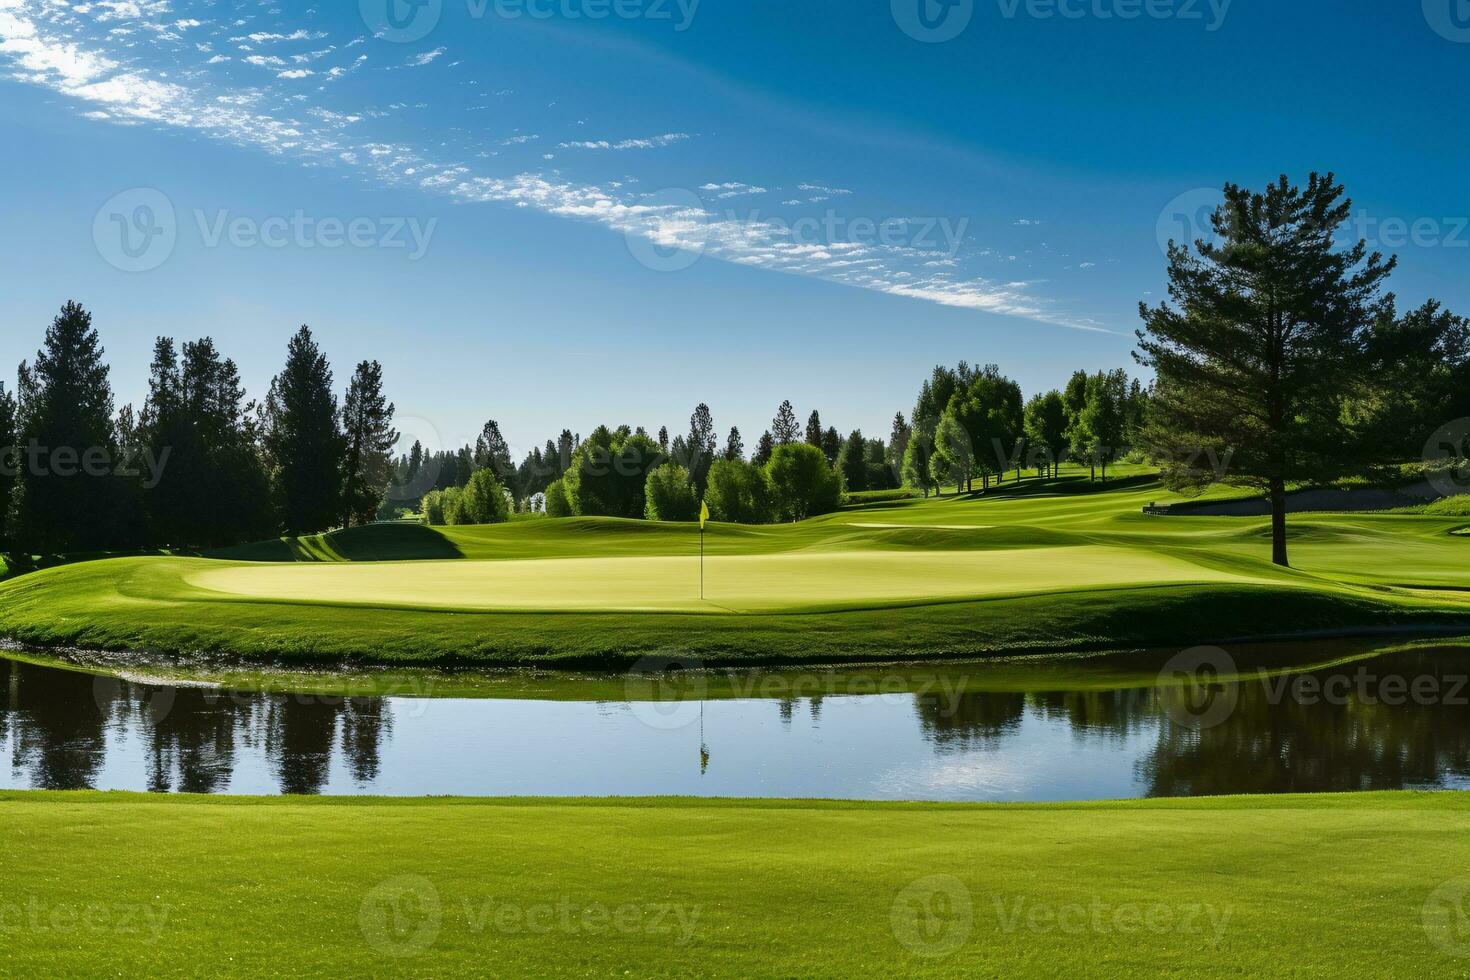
(1070, 564)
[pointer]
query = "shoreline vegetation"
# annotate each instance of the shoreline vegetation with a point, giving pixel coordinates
(747, 887)
(1064, 566)
(1104, 670)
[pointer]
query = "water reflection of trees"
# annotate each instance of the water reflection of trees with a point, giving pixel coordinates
(972, 720)
(57, 724)
(1283, 744)
(1271, 742)
(53, 726)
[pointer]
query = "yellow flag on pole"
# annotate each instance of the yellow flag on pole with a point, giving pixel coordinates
(703, 514)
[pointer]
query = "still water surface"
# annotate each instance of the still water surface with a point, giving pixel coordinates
(967, 732)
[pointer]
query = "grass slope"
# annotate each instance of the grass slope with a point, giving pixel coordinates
(1321, 886)
(1069, 565)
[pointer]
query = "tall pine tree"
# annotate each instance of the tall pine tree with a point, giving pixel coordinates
(1269, 328)
(9, 457)
(367, 427)
(303, 442)
(65, 497)
(814, 430)
(699, 447)
(734, 445)
(784, 429)
(492, 453)
(764, 448)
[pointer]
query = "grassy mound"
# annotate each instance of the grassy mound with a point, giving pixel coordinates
(1068, 565)
(1201, 887)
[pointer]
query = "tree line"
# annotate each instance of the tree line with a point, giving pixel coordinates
(625, 472)
(1279, 359)
(198, 466)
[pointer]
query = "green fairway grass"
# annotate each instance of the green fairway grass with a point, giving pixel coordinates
(1361, 885)
(1061, 565)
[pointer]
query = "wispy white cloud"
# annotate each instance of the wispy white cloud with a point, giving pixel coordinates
(42, 42)
(647, 143)
(271, 38)
(732, 188)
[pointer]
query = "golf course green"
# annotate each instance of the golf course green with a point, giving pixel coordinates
(1361, 885)
(1062, 565)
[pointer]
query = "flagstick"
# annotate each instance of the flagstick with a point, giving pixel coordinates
(703, 517)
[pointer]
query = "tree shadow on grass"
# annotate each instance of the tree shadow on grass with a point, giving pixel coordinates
(373, 542)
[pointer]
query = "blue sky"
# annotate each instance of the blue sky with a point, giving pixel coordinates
(859, 191)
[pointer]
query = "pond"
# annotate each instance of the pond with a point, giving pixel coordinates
(1309, 718)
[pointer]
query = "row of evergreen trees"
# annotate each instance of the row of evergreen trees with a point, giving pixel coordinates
(198, 466)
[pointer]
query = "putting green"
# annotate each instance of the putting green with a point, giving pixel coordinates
(749, 583)
(1067, 564)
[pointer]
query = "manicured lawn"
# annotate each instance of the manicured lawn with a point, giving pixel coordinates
(1069, 565)
(792, 582)
(1317, 886)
